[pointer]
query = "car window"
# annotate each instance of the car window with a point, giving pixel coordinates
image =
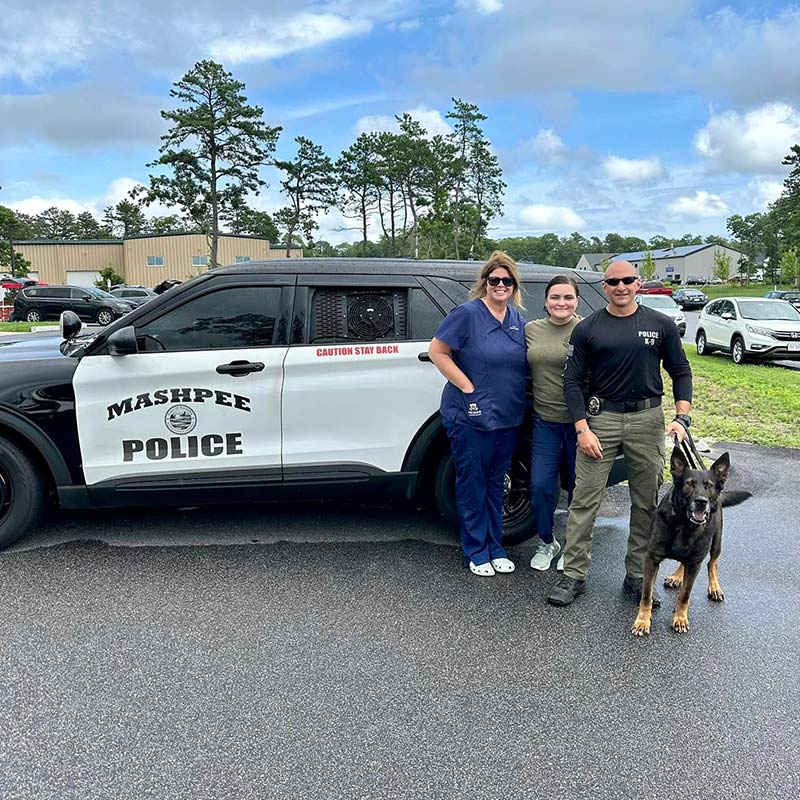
(226, 319)
(359, 314)
(31, 292)
(425, 315)
(56, 292)
(79, 294)
(727, 308)
(714, 309)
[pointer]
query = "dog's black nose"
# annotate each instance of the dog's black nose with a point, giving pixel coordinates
(701, 502)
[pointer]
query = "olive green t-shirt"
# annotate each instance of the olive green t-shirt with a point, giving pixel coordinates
(547, 352)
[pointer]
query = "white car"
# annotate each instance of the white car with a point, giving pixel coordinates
(749, 328)
(666, 305)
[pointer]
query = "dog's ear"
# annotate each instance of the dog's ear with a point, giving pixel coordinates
(721, 467)
(677, 463)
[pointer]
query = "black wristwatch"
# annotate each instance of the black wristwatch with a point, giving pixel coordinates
(684, 420)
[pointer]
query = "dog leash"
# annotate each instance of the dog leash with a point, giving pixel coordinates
(693, 458)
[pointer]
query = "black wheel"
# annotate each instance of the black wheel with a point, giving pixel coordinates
(517, 512)
(738, 353)
(104, 317)
(22, 493)
(33, 315)
(702, 345)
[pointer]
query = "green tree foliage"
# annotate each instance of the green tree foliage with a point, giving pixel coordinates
(13, 226)
(125, 219)
(785, 211)
(213, 150)
(311, 188)
(108, 277)
(647, 268)
(55, 223)
(722, 265)
(87, 227)
(358, 173)
(790, 274)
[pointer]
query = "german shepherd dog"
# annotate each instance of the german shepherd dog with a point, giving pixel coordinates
(687, 527)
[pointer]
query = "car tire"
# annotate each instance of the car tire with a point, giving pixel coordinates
(33, 315)
(22, 493)
(517, 511)
(738, 352)
(702, 345)
(104, 317)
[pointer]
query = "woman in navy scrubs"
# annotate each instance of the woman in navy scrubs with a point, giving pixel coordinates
(480, 349)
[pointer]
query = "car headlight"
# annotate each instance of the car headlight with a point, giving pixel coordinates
(680, 318)
(757, 330)
(122, 307)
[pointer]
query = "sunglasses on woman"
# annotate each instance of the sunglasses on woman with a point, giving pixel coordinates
(627, 280)
(495, 281)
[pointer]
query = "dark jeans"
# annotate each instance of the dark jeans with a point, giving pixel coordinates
(552, 454)
(481, 459)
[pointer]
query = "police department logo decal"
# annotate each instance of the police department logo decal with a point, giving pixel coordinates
(180, 419)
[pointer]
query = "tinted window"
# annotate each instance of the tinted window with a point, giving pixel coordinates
(79, 294)
(55, 291)
(229, 318)
(359, 314)
(714, 309)
(31, 292)
(425, 315)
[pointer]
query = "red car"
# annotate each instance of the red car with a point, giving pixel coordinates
(18, 283)
(655, 287)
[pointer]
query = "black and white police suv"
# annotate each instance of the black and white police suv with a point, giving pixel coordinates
(301, 378)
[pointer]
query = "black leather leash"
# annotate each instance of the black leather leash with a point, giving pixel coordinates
(693, 458)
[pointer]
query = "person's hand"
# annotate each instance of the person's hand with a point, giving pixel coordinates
(590, 445)
(676, 431)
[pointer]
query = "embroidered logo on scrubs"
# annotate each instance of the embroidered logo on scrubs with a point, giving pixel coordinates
(473, 410)
(513, 327)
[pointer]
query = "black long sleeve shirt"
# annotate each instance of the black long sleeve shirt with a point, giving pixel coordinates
(619, 358)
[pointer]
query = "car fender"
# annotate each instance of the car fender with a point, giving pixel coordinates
(38, 441)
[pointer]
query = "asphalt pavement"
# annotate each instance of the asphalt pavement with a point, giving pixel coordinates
(339, 651)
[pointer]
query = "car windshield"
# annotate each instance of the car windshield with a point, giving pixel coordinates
(656, 301)
(95, 292)
(769, 309)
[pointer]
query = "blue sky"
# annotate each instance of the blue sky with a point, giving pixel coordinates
(636, 116)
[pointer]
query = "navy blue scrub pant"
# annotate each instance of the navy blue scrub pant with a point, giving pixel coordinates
(481, 459)
(552, 455)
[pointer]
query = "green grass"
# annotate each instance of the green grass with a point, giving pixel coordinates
(755, 403)
(24, 327)
(737, 290)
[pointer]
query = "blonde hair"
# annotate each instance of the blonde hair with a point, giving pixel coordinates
(504, 261)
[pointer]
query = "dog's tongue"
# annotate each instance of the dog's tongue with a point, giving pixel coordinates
(698, 516)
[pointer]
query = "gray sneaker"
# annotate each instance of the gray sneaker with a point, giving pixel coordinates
(544, 555)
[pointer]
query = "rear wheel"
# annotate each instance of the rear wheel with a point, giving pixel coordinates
(33, 315)
(517, 512)
(738, 352)
(22, 493)
(702, 345)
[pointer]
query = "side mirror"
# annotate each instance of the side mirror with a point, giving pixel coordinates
(728, 316)
(123, 342)
(70, 324)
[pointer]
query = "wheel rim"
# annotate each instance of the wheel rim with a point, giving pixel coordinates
(701, 343)
(737, 350)
(33, 316)
(6, 495)
(516, 492)
(104, 317)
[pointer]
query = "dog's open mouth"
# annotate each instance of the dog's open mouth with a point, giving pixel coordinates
(698, 516)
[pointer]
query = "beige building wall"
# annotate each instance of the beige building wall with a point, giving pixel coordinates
(179, 256)
(52, 260)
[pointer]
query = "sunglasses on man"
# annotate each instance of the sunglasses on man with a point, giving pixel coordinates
(495, 281)
(627, 280)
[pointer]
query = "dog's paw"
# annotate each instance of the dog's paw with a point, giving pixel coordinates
(716, 594)
(641, 627)
(680, 624)
(671, 582)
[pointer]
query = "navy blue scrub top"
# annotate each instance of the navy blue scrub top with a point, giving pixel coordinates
(492, 355)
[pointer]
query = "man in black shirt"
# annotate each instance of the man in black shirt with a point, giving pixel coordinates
(613, 389)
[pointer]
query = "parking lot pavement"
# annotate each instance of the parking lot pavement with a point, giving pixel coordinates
(354, 658)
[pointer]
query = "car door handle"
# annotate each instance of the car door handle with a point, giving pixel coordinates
(424, 357)
(239, 368)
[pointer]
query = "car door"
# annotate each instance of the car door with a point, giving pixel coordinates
(83, 304)
(712, 324)
(356, 392)
(201, 396)
(55, 300)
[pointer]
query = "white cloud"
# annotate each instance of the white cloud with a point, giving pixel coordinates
(54, 41)
(325, 106)
(700, 205)
(264, 40)
(551, 218)
(632, 170)
(35, 205)
(764, 191)
(409, 25)
(481, 6)
(430, 119)
(753, 142)
(547, 147)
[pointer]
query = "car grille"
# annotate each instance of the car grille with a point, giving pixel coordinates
(789, 336)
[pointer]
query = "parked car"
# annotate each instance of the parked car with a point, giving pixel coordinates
(301, 378)
(749, 328)
(655, 287)
(38, 303)
(9, 282)
(135, 295)
(791, 297)
(689, 298)
(666, 305)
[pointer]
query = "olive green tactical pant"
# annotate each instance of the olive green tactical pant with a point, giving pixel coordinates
(640, 436)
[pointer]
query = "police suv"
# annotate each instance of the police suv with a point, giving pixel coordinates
(298, 378)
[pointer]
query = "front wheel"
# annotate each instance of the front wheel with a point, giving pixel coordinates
(738, 352)
(104, 317)
(517, 512)
(21, 493)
